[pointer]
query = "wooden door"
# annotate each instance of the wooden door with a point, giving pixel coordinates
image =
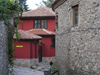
(40, 53)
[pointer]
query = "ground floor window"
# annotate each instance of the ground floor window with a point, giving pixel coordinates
(53, 43)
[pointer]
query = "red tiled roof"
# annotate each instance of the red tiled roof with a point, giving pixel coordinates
(41, 32)
(26, 35)
(40, 11)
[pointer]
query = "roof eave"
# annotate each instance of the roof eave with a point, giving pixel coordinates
(36, 17)
(29, 39)
(57, 3)
(45, 34)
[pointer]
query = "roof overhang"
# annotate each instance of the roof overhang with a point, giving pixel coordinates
(47, 35)
(36, 17)
(57, 3)
(32, 40)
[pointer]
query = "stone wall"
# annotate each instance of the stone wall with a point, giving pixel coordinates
(32, 62)
(78, 48)
(3, 49)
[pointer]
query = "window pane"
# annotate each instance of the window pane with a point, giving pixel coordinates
(36, 25)
(76, 16)
(42, 23)
(45, 23)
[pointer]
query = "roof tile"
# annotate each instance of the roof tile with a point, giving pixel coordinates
(26, 35)
(41, 32)
(40, 11)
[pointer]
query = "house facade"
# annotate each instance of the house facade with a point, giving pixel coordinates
(25, 48)
(77, 36)
(40, 22)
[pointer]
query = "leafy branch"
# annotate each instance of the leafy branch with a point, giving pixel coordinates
(46, 3)
(9, 9)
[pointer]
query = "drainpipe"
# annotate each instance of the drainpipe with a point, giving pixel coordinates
(35, 50)
(31, 51)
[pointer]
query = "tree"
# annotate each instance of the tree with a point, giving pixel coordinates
(24, 5)
(46, 3)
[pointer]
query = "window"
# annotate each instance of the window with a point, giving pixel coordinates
(39, 24)
(53, 43)
(75, 15)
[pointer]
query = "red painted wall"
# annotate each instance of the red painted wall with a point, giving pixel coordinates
(29, 24)
(25, 51)
(22, 52)
(26, 25)
(47, 50)
(51, 25)
(33, 50)
(20, 25)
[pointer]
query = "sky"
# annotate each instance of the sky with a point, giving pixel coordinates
(31, 3)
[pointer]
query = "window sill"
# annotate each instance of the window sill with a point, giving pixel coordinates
(75, 28)
(75, 25)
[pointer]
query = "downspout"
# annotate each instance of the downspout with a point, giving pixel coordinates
(50, 50)
(31, 51)
(35, 50)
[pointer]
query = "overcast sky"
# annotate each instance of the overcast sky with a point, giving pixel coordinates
(31, 3)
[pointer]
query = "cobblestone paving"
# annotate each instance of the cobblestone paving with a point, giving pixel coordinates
(26, 71)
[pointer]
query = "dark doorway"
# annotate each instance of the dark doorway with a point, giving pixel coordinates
(40, 53)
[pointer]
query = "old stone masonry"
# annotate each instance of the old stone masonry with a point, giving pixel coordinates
(78, 48)
(3, 49)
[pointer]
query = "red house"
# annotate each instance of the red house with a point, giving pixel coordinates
(40, 22)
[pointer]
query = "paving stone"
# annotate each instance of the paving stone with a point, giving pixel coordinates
(26, 71)
(34, 67)
(39, 68)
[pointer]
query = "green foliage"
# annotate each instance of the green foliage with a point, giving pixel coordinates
(12, 1)
(54, 68)
(24, 5)
(46, 3)
(8, 9)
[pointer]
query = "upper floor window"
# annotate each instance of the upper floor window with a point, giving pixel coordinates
(75, 15)
(39, 24)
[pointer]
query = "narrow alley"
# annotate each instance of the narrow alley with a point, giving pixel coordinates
(26, 71)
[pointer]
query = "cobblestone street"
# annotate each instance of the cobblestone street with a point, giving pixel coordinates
(26, 71)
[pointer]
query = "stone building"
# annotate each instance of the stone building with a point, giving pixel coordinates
(3, 49)
(4, 70)
(77, 36)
